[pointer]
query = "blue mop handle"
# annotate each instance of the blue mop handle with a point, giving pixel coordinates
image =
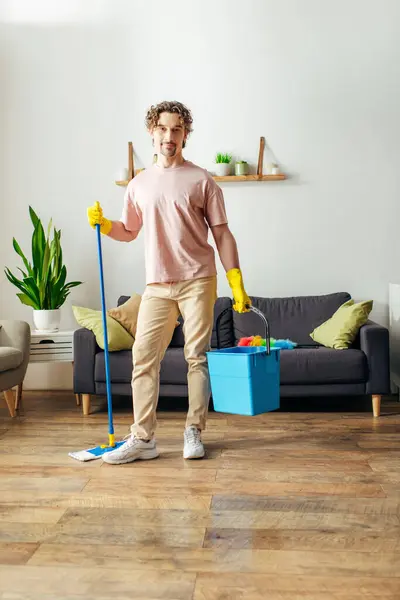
(106, 359)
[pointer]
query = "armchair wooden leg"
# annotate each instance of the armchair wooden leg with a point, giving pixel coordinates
(376, 405)
(86, 404)
(9, 396)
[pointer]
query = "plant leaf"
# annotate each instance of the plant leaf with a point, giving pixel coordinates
(72, 284)
(32, 287)
(11, 277)
(25, 299)
(21, 285)
(38, 245)
(18, 250)
(49, 228)
(34, 217)
(57, 287)
(45, 272)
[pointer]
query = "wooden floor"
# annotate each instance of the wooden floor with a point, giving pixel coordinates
(288, 506)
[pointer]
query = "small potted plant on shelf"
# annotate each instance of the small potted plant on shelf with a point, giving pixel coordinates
(223, 164)
(43, 284)
(241, 167)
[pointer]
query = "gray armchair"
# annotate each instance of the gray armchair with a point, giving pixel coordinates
(15, 340)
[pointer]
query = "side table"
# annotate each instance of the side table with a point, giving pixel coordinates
(50, 347)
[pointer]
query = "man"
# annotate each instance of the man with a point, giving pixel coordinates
(176, 202)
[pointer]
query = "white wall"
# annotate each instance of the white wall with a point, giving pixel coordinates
(319, 80)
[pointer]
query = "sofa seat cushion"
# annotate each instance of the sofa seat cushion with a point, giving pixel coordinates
(10, 358)
(323, 366)
(300, 366)
(173, 367)
(294, 318)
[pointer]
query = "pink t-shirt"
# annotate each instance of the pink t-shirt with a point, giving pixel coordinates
(175, 206)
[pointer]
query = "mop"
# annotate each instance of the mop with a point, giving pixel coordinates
(97, 452)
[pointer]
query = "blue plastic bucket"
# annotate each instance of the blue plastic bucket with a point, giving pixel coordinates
(245, 380)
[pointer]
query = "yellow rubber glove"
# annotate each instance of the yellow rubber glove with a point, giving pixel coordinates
(242, 301)
(95, 217)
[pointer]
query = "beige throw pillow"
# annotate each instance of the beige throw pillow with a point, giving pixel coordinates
(127, 313)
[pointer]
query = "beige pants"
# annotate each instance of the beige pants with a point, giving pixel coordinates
(159, 309)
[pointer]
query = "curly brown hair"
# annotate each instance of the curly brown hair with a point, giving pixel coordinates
(154, 112)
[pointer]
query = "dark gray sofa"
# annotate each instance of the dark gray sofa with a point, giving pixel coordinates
(308, 370)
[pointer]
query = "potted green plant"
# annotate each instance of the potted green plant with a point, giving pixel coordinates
(241, 167)
(43, 284)
(223, 164)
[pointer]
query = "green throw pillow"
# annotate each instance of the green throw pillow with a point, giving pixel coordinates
(340, 330)
(118, 337)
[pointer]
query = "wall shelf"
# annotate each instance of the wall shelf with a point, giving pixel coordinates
(235, 178)
(227, 178)
(231, 178)
(123, 183)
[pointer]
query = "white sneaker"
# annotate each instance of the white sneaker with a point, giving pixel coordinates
(132, 449)
(193, 447)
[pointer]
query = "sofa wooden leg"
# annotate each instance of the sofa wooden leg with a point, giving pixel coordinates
(78, 399)
(18, 397)
(376, 405)
(9, 396)
(86, 404)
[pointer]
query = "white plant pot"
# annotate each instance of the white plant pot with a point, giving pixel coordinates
(47, 320)
(222, 169)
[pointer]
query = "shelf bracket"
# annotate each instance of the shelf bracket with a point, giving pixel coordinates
(131, 168)
(261, 157)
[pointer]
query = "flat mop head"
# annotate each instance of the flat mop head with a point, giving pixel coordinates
(98, 451)
(93, 453)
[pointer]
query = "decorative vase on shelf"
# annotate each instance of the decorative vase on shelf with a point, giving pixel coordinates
(241, 168)
(47, 320)
(275, 169)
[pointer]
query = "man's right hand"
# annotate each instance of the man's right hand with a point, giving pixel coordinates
(95, 217)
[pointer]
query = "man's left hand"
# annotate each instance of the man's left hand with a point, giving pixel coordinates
(241, 300)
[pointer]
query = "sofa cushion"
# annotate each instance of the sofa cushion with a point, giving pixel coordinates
(323, 365)
(294, 318)
(127, 313)
(227, 336)
(118, 337)
(10, 358)
(341, 329)
(300, 366)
